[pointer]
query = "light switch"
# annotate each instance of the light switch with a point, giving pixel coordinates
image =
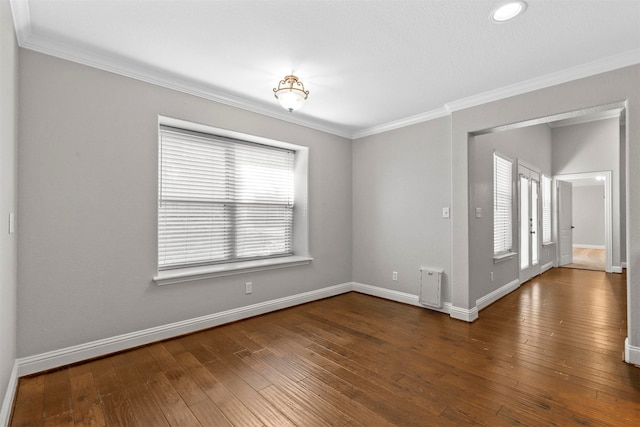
(478, 212)
(445, 212)
(12, 223)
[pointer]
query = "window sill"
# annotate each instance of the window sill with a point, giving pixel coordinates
(169, 277)
(503, 257)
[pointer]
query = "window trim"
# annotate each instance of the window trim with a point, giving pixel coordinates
(178, 275)
(300, 215)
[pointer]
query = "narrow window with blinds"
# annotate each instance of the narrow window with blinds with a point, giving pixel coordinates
(502, 205)
(222, 200)
(546, 209)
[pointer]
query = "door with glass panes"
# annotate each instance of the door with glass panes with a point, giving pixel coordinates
(530, 236)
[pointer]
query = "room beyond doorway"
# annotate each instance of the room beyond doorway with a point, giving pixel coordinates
(588, 259)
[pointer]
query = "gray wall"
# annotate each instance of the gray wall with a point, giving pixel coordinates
(87, 201)
(87, 198)
(591, 147)
(588, 215)
(528, 144)
(401, 182)
(8, 140)
(607, 88)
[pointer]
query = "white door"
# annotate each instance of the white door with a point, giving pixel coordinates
(565, 221)
(529, 206)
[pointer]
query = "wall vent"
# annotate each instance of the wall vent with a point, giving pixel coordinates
(431, 286)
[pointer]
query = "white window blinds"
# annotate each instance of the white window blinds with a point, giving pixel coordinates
(502, 210)
(546, 209)
(222, 200)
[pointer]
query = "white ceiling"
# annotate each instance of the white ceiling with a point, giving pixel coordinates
(369, 65)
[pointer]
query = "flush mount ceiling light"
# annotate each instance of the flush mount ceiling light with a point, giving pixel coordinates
(290, 93)
(508, 11)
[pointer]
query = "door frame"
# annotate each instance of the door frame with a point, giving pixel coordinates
(608, 209)
(532, 270)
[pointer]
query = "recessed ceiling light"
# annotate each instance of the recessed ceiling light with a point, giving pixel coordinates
(508, 11)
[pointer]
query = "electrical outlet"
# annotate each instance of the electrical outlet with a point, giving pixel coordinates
(445, 212)
(492, 276)
(248, 288)
(395, 276)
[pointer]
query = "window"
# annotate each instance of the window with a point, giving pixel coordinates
(228, 203)
(546, 209)
(502, 201)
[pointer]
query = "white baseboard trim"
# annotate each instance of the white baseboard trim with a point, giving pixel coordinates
(494, 296)
(589, 246)
(465, 314)
(623, 264)
(389, 294)
(397, 296)
(631, 353)
(616, 269)
(53, 359)
(7, 403)
(78, 353)
(545, 267)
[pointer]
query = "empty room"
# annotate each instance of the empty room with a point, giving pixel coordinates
(318, 212)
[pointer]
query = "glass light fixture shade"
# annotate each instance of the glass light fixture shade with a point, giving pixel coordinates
(508, 11)
(291, 99)
(290, 93)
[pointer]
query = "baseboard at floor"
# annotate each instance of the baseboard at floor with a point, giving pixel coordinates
(547, 266)
(74, 354)
(397, 296)
(494, 296)
(576, 246)
(616, 269)
(465, 314)
(631, 353)
(9, 395)
(56, 358)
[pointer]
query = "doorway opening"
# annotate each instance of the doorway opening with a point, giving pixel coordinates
(584, 212)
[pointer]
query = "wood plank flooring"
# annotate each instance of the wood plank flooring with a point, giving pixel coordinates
(547, 354)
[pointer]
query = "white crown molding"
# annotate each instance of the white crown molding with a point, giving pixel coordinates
(611, 114)
(110, 63)
(397, 124)
(599, 66)
(21, 19)
(106, 62)
(603, 65)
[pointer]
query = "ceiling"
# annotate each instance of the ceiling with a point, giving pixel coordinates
(369, 66)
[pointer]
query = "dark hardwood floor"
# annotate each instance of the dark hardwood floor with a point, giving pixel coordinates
(549, 353)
